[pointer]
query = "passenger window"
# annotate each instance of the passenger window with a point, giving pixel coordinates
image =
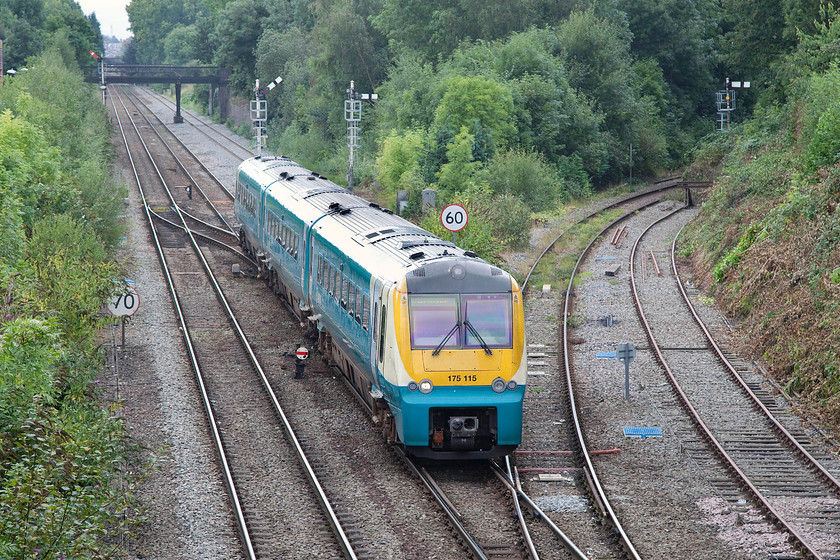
(366, 313)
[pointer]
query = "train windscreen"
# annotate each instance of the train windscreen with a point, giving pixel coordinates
(460, 321)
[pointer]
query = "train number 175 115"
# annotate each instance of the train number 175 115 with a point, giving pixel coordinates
(462, 378)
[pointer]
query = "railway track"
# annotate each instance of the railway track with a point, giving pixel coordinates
(376, 503)
(781, 476)
(595, 319)
(551, 462)
(566, 468)
(482, 539)
(555, 459)
(253, 454)
(233, 145)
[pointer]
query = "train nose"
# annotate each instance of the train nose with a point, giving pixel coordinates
(462, 431)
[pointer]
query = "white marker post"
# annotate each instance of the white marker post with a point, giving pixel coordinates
(454, 218)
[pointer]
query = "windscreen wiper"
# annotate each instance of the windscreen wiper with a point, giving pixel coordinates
(474, 332)
(446, 338)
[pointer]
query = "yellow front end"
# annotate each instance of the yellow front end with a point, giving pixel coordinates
(461, 367)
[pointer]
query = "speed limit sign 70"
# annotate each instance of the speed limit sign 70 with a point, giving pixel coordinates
(124, 304)
(454, 217)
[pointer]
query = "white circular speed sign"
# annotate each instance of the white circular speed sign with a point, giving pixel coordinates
(454, 217)
(124, 304)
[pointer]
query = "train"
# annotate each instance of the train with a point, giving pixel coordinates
(430, 336)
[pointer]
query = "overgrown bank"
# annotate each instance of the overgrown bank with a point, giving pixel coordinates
(62, 490)
(768, 241)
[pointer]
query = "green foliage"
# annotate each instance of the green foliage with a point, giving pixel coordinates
(29, 166)
(732, 258)
(528, 177)
(679, 36)
(399, 157)
(59, 452)
(596, 53)
(286, 54)
(12, 238)
(495, 222)
(179, 45)
(152, 20)
(74, 279)
(350, 48)
(61, 489)
(238, 28)
(824, 148)
(82, 33)
(475, 99)
(435, 28)
(409, 97)
(20, 23)
(54, 148)
(461, 169)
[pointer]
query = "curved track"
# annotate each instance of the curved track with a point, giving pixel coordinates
(776, 474)
(789, 481)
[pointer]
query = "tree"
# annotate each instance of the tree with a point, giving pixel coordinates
(461, 169)
(179, 45)
(152, 20)
(759, 34)
(238, 29)
(527, 176)
(399, 155)
(82, 32)
(679, 35)
(408, 97)
(436, 28)
(427, 27)
(286, 54)
(20, 21)
(470, 99)
(350, 48)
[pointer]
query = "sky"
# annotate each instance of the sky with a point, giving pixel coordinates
(113, 20)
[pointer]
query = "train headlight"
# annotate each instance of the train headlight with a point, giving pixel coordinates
(511, 385)
(412, 386)
(426, 386)
(499, 385)
(458, 272)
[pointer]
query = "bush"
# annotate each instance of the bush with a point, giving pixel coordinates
(59, 451)
(527, 176)
(824, 148)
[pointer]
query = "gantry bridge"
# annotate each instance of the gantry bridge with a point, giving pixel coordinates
(113, 71)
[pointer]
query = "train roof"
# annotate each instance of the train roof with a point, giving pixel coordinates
(380, 238)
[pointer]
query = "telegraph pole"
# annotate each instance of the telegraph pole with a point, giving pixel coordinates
(353, 116)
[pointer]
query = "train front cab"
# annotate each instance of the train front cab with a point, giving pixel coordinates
(461, 344)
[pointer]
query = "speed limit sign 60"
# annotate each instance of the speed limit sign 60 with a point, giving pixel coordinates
(454, 217)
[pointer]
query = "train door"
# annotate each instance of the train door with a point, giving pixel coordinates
(376, 300)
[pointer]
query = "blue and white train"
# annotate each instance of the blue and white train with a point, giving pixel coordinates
(429, 335)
